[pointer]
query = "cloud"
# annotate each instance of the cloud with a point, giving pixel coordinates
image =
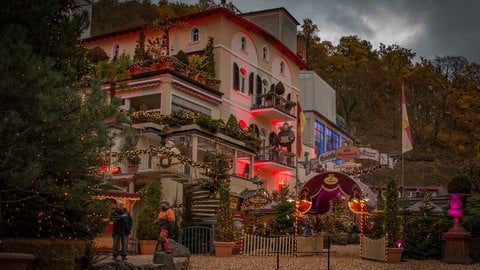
(428, 27)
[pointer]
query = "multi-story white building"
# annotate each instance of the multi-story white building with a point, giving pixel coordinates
(254, 54)
(249, 62)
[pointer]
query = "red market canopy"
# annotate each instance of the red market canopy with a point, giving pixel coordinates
(323, 188)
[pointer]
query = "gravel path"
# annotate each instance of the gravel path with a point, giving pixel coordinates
(341, 258)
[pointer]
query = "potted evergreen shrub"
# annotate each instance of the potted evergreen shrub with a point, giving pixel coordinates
(279, 88)
(392, 223)
(224, 229)
(142, 56)
(183, 62)
(147, 233)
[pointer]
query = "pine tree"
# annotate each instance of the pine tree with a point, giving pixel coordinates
(218, 173)
(284, 214)
(209, 61)
(51, 128)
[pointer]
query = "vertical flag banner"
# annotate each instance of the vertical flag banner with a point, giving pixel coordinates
(301, 121)
(406, 132)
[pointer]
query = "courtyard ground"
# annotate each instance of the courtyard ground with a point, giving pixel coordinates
(342, 258)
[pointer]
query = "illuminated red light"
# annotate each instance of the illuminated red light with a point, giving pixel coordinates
(110, 169)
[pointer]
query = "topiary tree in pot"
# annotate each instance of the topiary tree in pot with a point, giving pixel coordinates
(388, 223)
(392, 214)
(224, 229)
(147, 232)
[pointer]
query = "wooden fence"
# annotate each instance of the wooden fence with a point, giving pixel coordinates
(255, 245)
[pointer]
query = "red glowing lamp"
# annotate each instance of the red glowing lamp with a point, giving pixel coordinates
(302, 207)
(110, 169)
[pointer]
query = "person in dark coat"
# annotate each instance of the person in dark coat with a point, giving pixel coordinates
(122, 225)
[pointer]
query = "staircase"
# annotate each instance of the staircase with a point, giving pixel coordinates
(202, 203)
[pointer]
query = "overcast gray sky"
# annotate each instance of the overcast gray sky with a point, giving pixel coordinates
(428, 27)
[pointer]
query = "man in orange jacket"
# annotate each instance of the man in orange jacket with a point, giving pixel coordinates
(165, 222)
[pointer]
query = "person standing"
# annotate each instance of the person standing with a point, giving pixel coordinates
(122, 224)
(165, 221)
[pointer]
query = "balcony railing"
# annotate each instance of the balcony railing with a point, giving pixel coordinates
(153, 163)
(274, 157)
(274, 106)
(172, 63)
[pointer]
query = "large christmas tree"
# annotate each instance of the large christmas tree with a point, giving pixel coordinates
(50, 127)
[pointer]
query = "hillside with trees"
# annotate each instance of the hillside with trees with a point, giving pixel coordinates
(441, 94)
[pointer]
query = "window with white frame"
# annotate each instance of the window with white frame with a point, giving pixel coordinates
(265, 53)
(236, 77)
(179, 103)
(243, 80)
(251, 78)
(194, 35)
(243, 44)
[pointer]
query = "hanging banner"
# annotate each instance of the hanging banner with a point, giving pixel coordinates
(368, 153)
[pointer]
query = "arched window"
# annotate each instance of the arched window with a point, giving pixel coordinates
(116, 51)
(236, 77)
(243, 43)
(265, 53)
(194, 35)
(251, 77)
(255, 129)
(258, 92)
(264, 86)
(282, 67)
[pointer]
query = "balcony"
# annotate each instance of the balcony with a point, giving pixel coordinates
(171, 63)
(274, 107)
(274, 159)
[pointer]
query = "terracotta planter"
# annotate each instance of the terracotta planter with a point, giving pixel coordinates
(147, 247)
(167, 65)
(132, 168)
(135, 70)
(155, 66)
(394, 255)
(223, 249)
(17, 261)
